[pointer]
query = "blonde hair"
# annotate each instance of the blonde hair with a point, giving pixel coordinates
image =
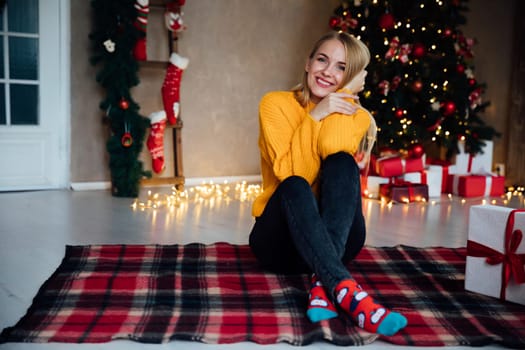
(357, 58)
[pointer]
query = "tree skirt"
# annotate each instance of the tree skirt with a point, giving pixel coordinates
(218, 294)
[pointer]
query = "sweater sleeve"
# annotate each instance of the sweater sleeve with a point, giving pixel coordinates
(340, 132)
(288, 137)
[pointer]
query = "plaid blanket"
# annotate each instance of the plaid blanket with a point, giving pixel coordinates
(218, 294)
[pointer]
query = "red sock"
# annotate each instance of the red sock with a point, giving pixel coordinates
(155, 142)
(141, 23)
(320, 307)
(368, 314)
(171, 86)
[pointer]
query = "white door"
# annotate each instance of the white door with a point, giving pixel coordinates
(33, 96)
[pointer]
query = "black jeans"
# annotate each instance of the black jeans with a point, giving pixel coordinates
(296, 233)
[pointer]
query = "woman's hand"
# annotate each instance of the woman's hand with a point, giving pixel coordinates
(357, 84)
(334, 103)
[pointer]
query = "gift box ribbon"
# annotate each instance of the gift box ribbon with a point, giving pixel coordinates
(444, 171)
(513, 263)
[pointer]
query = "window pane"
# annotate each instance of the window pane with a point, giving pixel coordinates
(24, 104)
(22, 16)
(3, 120)
(2, 57)
(23, 58)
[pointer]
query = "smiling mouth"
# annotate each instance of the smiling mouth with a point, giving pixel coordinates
(323, 83)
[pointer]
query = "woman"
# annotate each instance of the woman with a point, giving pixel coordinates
(309, 216)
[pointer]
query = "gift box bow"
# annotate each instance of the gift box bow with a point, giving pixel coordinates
(513, 263)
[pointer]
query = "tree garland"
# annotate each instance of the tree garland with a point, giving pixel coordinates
(113, 38)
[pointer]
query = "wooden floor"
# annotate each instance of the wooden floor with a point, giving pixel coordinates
(35, 227)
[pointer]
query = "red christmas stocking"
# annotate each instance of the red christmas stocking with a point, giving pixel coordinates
(171, 86)
(141, 23)
(155, 142)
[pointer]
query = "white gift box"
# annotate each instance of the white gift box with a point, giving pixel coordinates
(370, 185)
(433, 177)
(480, 163)
(487, 226)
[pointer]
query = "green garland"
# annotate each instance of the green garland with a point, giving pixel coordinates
(113, 38)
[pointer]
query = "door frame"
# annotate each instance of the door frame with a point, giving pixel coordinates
(54, 106)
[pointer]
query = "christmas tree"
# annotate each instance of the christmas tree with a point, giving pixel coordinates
(114, 38)
(421, 86)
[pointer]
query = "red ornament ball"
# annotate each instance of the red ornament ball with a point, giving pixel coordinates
(416, 151)
(448, 32)
(418, 50)
(386, 21)
(126, 140)
(472, 82)
(417, 86)
(124, 104)
(460, 68)
(334, 22)
(399, 113)
(449, 108)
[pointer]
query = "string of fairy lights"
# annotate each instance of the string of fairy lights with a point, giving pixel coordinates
(513, 197)
(205, 193)
(211, 193)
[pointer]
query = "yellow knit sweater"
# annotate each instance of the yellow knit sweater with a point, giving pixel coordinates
(291, 142)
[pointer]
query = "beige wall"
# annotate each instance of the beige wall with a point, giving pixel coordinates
(238, 50)
(492, 24)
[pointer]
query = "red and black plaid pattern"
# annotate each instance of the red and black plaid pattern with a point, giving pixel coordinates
(218, 294)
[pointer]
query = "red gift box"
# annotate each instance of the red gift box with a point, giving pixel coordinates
(403, 192)
(476, 185)
(396, 165)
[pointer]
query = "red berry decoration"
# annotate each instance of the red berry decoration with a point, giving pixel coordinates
(472, 82)
(123, 104)
(399, 113)
(460, 68)
(386, 21)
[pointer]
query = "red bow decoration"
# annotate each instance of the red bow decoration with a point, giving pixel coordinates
(402, 51)
(385, 86)
(392, 50)
(344, 22)
(475, 98)
(513, 263)
(464, 45)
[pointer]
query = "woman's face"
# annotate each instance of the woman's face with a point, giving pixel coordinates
(325, 70)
